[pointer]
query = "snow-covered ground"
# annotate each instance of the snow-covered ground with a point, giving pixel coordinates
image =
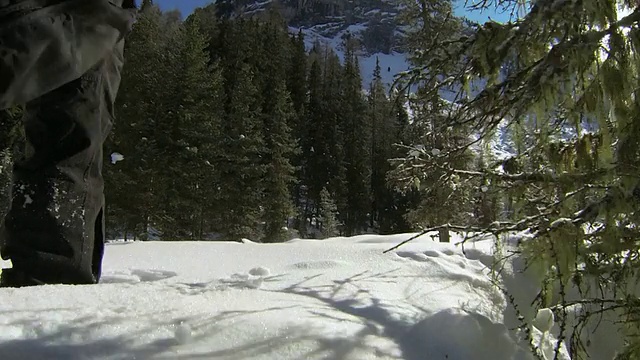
(340, 298)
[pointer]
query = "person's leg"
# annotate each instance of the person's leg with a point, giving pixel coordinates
(45, 44)
(54, 230)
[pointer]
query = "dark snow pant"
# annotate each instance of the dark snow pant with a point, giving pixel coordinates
(62, 60)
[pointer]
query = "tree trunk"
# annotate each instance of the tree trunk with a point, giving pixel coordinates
(443, 234)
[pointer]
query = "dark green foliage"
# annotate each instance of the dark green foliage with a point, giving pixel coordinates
(241, 163)
(129, 184)
(167, 130)
(562, 81)
(355, 128)
(279, 171)
(194, 130)
(280, 114)
(297, 78)
(379, 37)
(383, 136)
(230, 130)
(432, 144)
(297, 85)
(321, 143)
(328, 215)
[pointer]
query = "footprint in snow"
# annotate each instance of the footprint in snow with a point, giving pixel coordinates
(448, 252)
(136, 276)
(317, 265)
(475, 254)
(444, 257)
(420, 256)
(253, 279)
(260, 271)
(413, 256)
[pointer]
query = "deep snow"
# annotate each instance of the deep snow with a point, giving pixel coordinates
(340, 298)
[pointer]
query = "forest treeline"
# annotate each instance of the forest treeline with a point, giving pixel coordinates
(232, 128)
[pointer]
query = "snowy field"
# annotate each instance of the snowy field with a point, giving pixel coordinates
(340, 298)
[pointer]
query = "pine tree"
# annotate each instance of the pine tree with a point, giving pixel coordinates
(129, 184)
(402, 122)
(567, 74)
(194, 136)
(171, 192)
(297, 77)
(278, 117)
(402, 200)
(241, 162)
(356, 144)
(384, 135)
(431, 145)
(300, 124)
(242, 171)
(432, 149)
(171, 200)
(313, 151)
(486, 199)
(333, 136)
(226, 9)
(279, 173)
(320, 144)
(327, 215)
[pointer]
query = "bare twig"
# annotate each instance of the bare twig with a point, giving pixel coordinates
(435, 228)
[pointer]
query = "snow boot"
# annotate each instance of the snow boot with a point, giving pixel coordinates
(14, 278)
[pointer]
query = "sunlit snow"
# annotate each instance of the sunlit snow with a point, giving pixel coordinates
(340, 298)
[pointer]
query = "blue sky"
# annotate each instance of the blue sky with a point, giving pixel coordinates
(187, 6)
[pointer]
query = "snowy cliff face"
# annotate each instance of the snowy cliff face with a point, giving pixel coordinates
(373, 23)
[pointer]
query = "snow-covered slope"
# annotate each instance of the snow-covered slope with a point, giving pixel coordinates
(372, 22)
(391, 63)
(333, 299)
